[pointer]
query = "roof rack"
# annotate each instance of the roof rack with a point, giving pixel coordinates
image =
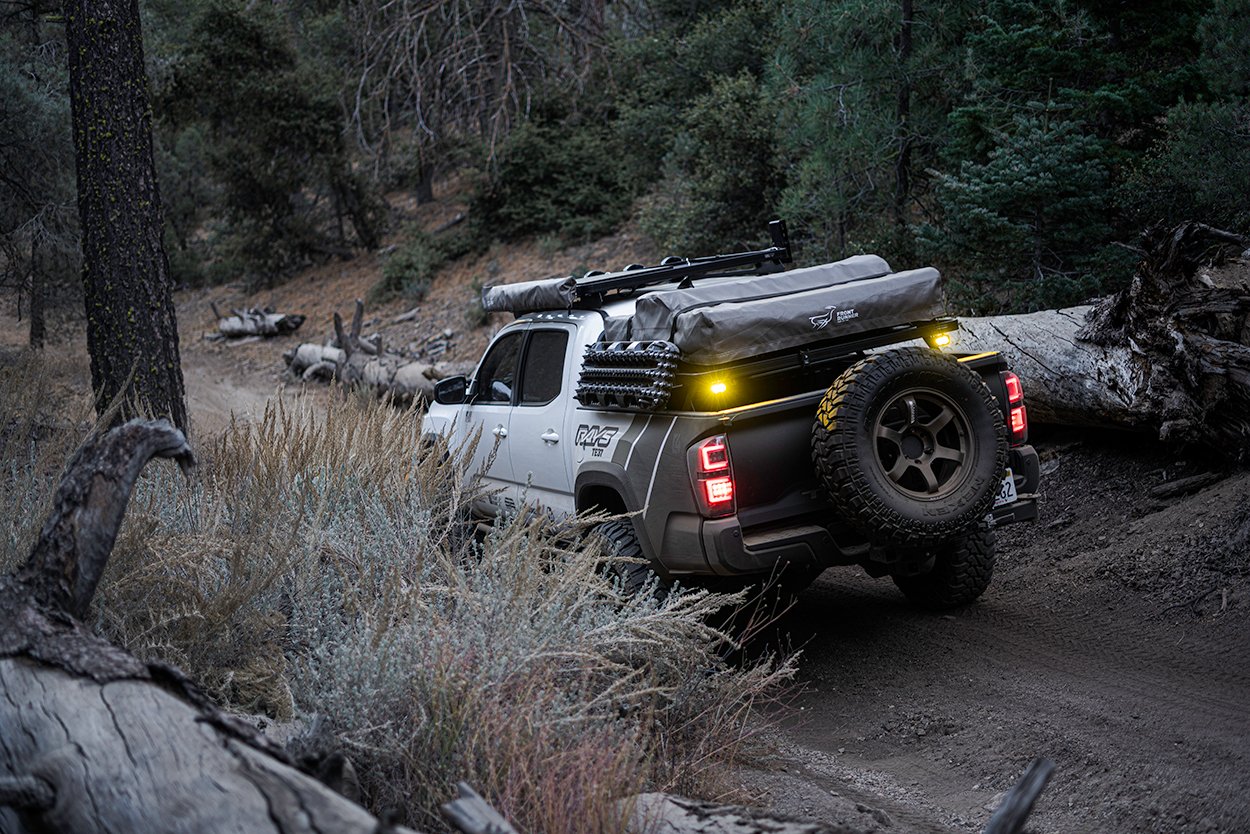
(592, 286)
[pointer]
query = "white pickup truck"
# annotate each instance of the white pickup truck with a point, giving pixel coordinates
(780, 422)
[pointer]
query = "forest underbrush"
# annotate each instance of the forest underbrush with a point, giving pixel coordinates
(318, 571)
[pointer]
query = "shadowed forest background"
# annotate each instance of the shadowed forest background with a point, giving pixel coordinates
(1019, 146)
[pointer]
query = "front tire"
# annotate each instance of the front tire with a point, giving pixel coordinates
(961, 572)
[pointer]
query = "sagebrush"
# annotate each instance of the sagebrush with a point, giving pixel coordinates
(321, 566)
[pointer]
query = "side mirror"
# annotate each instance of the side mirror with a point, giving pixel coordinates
(451, 391)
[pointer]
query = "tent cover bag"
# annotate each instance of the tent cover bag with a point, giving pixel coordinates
(732, 330)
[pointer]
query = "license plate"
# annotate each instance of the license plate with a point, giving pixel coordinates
(1006, 491)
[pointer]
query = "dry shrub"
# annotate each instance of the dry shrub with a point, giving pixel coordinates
(322, 564)
(45, 412)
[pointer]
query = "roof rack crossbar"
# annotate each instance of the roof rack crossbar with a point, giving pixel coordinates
(778, 253)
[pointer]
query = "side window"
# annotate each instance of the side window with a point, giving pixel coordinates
(544, 366)
(496, 376)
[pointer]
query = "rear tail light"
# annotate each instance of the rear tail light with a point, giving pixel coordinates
(1019, 423)
(1017, 417)
(719, 490)
(1015, 391)
(713, 455)
(712, 477)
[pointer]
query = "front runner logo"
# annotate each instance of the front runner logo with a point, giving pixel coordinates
(595, 438)
(833, 314)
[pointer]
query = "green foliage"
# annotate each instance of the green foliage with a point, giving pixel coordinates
(1225, 37)
(719, 182)
(270, 140)
(1199, 169)
(550, 177)
(661, 72)
(861, 120)
(1021, 228)
(410, 269)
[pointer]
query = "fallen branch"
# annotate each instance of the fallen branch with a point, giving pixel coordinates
(1016, 806)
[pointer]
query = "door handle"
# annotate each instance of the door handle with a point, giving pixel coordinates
(550, 436)
(499, 431)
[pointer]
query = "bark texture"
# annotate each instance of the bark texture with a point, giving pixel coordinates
(95, 740)
(1169, 354)
(132, 333)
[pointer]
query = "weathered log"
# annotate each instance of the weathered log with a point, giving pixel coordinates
(93, 739)
(1169, 354)
(361, 360)
(255, 322)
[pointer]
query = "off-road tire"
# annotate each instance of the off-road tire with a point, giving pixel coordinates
(620, 542)
(852, 436)
(961, 572)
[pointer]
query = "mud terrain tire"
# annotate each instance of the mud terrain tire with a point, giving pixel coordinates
(911, 447)
(621, 542)
(961, 572)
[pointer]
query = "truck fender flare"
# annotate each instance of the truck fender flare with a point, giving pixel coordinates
(604, 474)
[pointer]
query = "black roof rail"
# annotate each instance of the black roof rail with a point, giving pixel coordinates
(594, 285)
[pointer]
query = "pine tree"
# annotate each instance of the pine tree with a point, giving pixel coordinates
(1023, 227)
(864, 87)
(132, 333)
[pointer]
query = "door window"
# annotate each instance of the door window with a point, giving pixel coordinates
(496, 376)
(543, 375)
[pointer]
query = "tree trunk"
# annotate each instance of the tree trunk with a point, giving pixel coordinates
(132, 333)
(1170, 354)
(902, 164)
(38, 327)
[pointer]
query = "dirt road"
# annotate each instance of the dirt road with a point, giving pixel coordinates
(1114, 642)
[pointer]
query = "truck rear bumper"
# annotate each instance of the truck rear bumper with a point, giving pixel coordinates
(730, 550)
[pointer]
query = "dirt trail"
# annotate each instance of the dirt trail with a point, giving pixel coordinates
(1134, 679)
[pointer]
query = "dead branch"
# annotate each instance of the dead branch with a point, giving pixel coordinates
(94, 739)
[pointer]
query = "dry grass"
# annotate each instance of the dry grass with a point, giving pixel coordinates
(321, 565)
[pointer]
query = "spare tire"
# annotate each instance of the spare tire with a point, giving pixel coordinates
(911, 447)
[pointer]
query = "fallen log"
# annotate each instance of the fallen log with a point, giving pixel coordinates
(1169, 354)
(353, 359)
(255, 322)
(95, 740)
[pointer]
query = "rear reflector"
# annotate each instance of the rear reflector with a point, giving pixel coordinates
(719, 490)
(1019, 422)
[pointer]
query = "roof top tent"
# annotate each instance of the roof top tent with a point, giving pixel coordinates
(760, 318)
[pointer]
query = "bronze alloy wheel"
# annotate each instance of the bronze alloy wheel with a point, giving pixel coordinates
(922, 444)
